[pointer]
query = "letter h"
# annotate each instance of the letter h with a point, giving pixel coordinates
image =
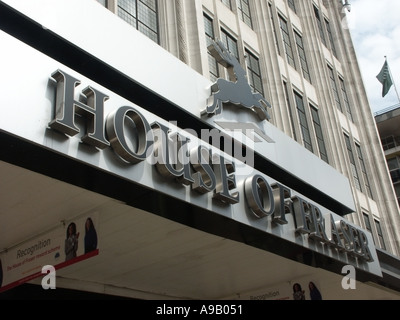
(65, 110)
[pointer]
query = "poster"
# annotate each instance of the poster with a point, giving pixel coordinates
(299, 289)
(71, 242)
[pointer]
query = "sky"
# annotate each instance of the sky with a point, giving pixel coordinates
(375, 30)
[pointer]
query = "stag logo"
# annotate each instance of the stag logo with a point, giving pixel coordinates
(237, 91)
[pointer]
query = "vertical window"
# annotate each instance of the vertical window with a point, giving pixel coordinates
(330, 37)
(346, 100)
(286, 42)
(285, 86)
(364, 171)
(368, 224)
(244, 12)
(254, 72)
(319, 134)
(212, 62)
(303, 121)
(354, 171)
(380, 234)
(142, 14)
(274, 29)
(319, 25)
(335, 89)
(291, 5)
(302, 56)
(227, 3)
(230, 43)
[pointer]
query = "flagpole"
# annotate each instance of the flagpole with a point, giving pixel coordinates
(394, 84)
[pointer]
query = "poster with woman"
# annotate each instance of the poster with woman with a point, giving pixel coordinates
(68, 243)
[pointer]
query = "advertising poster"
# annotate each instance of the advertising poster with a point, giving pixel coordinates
(306, 289)
(299, 289)
(71, 242)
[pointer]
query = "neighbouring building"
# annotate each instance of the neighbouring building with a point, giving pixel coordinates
(388, 121)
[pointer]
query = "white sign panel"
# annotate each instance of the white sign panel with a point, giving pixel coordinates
(121, 138)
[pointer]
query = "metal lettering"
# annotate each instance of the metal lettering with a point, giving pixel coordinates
(318, 225)
(226, 182)
(346, 235)
(172, 159)
(335, 236)
(302, 213)
(260, 196)
(67, 107)
(204, 178)
(117, 122)
(282, 196)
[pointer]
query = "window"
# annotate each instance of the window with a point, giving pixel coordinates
(346, 100)
(291, 5)
(286, 41)
(319, 134)
(335, 89)
(227, 3)
(302, 56)
(244, 12)
(380, 235)
(254, 72)
(210, 37)
(364, 171)
(368, 224)
(303, 121)
(352, 162)
(274, 29)
(330, 37)
(141, 14)
(320, 26)
(393, 164)
(285, 85)
(388, 143)
(395, 175)
(230, 43)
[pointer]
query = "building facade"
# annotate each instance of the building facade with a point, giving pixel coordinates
(321, 99)
(307, 198)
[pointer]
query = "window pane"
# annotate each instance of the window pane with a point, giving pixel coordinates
(141, 14)
(319, 134)
(286, 42)
(303, 121)
(244, 11)
(254, 72)
(302, 57)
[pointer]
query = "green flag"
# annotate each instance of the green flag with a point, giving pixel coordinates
(385, 78)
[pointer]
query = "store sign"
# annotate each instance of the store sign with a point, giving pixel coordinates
(134, 139)
(108, 132)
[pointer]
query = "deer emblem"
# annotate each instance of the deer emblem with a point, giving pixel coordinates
(237, 91)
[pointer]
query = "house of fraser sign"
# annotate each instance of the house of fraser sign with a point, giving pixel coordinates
(134, 139)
